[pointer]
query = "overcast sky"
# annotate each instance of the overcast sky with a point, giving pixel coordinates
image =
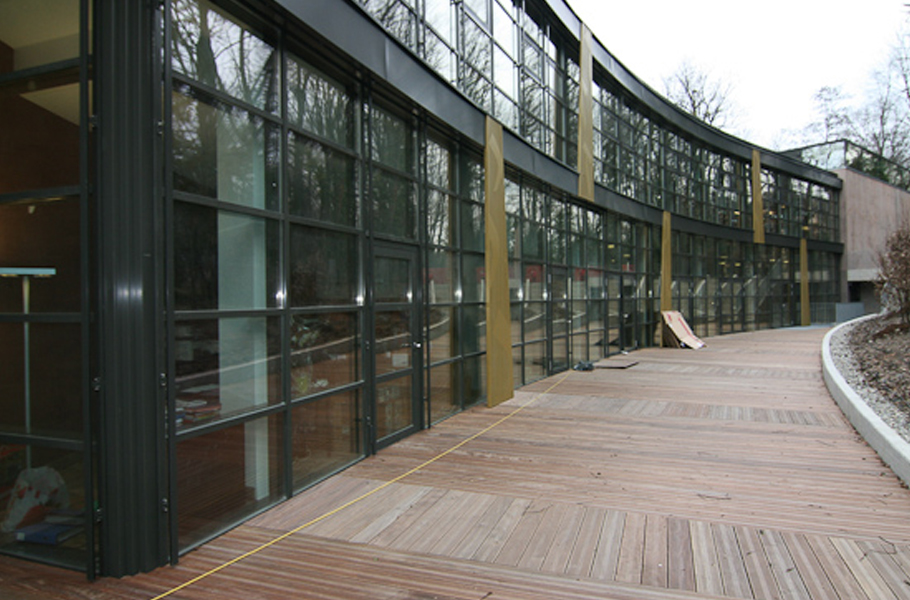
(775, 53)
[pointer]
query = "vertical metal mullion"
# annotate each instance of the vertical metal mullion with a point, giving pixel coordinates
(168, 271)
(285, 258)
(88, 273)
(366, 265)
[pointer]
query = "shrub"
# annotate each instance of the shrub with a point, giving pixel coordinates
(893, 283)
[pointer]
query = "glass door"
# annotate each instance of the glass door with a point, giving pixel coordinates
(396, 344)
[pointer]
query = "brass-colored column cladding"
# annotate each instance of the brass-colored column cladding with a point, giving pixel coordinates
(804, 299)
(586, 118)
(758, 204)
(500, 383)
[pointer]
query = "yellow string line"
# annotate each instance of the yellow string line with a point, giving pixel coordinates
(361, 497)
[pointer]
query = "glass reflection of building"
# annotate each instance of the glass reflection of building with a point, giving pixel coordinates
(270, 244)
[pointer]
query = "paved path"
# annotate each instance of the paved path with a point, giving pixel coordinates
(726, 472)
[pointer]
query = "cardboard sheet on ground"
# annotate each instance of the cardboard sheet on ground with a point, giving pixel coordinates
(677, 333)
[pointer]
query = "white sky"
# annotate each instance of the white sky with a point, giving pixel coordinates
(775, 53)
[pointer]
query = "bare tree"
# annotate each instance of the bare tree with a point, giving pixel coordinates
(880, 121)
(893, 283)
(697, 92)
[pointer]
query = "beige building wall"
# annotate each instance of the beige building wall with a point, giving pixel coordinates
(870, 210)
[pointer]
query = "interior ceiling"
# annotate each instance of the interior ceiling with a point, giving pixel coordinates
(36, 25)
(27, 22)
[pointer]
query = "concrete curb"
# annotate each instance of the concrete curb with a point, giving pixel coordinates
(890, 446)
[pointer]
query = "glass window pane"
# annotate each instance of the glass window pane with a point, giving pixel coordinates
(322, 182)
(325, 352)
(445, 396)
(24, 44)
(393, 141)
(393, 406)
(324, 268)
(393, 341)
(392, 280)
(535, 361)
(326, 436)
(535, 316)
(41, 256)
(440, 171)
(474, 329)
(442, 278)
(504, 74)
(473, 278)
(474, 379)
(471, 177)
(224, 153)
(441, 58)
(440, 219)
(535, 280)
(319, 104)
(439, 17)
(60, 474)
(479, 7)
(225, 476)
(51, 404)
(443, 337)
(220, 52)
(223, 260)
(394, 205)
(226, 367)
(39, 131)
(472, 227)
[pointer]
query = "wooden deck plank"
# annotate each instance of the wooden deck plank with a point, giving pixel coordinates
(609, 544)
(584, 551)
(681, 566)
(866, 575)
(730, 559)
(655, 567)
(478, 532)
(882, 557)
(408, 518)
(466, 521)
(782, 565)
(434, 523)
(390, 516)
(708, 578)
(758, 567)
(499, 534)
(632, 550)
(538, 546)
(845, 584)
(560, 551)
(808, 566)
(518, 542)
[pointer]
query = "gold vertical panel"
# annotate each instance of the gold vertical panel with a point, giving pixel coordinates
(500, 385)
(758, 204)
(666, 263)
(586, 118)
(804, 300)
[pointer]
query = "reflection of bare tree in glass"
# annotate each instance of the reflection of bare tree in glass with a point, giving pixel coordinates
(396, 18)
(218, 52)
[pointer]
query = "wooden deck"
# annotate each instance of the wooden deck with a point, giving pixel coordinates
(723, 473)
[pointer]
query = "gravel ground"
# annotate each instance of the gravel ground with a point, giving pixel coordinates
(877, 367)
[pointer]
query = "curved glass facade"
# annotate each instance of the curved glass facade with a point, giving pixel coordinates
(303, 242)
